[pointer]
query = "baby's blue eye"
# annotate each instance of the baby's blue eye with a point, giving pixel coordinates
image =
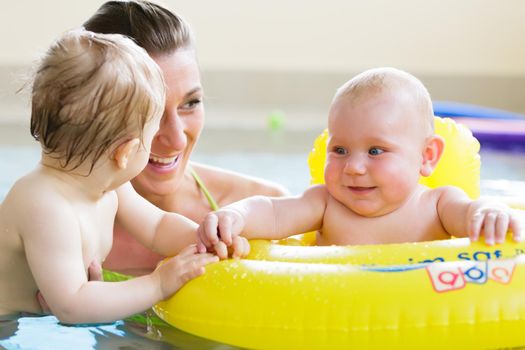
(340, 150)
(374, 151)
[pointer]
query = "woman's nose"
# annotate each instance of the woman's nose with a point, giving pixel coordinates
(171, 132)
(355, 165)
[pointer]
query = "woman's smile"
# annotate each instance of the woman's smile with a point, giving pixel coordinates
(163, 164)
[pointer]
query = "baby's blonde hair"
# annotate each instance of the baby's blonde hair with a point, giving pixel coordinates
(91, 91)
(379, 79)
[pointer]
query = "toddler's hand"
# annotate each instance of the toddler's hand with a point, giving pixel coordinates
(493, 221)
(220, 230)
(180, 269)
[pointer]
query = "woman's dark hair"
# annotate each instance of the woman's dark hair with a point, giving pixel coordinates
(155, 28)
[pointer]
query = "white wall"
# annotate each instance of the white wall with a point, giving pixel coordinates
(465, 37)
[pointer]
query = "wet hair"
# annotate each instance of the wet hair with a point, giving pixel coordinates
(153, 27)
(386, 78)
(91, 91)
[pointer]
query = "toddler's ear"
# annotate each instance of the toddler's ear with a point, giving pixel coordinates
(125, 151)
(432, 152)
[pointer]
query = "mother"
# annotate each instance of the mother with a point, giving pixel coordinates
(171, 181)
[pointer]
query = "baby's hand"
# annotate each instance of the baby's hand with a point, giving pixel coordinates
(493, 221)
(220, 230)
(180, 269)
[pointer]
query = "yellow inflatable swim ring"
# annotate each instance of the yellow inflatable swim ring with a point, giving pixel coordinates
(438, 295)
(432, 295)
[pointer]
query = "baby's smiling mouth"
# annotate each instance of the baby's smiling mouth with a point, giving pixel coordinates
(361, 189)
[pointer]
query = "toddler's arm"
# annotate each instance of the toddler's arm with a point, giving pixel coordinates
(94, 273)
(55, 248)
(461, 216)
(261, 217)
(163, 232)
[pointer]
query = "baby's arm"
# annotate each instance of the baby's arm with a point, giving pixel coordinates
(163, 232)
(461, 216)
(262, 217)
(53, 246)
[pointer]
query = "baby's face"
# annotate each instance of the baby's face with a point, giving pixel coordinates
(374, 152)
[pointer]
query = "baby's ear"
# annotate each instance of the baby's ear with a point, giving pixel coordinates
(125, 151)
(432, 152)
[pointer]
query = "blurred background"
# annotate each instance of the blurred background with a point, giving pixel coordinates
(288, 56)
(270, 67)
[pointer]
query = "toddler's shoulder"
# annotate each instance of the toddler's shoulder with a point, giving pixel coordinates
(35, 196)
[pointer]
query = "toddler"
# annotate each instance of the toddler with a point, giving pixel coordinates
(97, 101)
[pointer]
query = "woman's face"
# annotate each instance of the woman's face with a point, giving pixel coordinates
(180, 126)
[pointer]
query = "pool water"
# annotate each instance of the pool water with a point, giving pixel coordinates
(46, 333)
(503, 173)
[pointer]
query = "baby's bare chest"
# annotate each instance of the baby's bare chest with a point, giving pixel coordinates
(411, 224)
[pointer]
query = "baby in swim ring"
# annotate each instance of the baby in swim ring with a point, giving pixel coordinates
(381, 140)
(97, 101)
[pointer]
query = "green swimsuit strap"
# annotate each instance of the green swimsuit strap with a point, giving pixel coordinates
(213, 204)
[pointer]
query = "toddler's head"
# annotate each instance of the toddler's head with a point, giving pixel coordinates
(90, 92)
(381, 140)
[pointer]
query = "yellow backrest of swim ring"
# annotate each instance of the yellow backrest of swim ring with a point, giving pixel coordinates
(459, 165)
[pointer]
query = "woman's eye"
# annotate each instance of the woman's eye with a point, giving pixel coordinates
(374, 151)
(192, 103)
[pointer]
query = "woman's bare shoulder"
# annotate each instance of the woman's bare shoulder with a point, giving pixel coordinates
(232, 186)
